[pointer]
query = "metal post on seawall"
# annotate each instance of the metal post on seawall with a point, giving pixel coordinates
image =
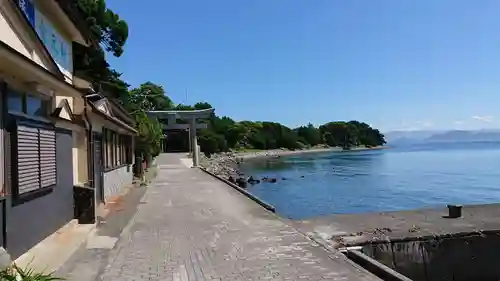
(454, 211)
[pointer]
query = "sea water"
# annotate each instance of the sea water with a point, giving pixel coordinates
(396, 178)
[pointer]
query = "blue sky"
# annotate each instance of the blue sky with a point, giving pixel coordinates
(394, 64)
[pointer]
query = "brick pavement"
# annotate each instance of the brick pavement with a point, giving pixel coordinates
(193, 227)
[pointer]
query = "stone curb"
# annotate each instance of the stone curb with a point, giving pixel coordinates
(375, 267)
(259, 201)
(337, 253)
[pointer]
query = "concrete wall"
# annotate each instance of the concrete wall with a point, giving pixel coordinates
(116, 180)
(82, 152)
(459, 258)
(33, 221)
(80, 168)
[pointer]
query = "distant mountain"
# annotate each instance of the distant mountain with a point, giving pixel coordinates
(466, 136)
(408, 137)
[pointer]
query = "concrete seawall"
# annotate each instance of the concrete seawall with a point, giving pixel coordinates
(259, 201)
(471, 256)
(420, 244)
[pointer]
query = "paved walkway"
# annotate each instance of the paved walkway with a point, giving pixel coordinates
(193, 227)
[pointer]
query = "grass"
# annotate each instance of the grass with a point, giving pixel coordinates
(16, 273)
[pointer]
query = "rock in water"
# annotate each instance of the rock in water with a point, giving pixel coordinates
(271, 180)
(251, 180)
(241, 182)
(224, 165)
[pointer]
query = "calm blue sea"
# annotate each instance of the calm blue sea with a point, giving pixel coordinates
(397, 178)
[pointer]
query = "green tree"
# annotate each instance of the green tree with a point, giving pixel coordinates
(309, 134)
(181, 106)
(234, 135)
(221, 124)
(277, 135)
(149, 96)
(339, 134)
(149, 134)
(252, 136)
(349, 134)
(211, 142)
(202, 105)
(106, 27)
(109, 33)
(367, 135)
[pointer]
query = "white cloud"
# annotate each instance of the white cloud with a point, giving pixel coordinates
(485, 119)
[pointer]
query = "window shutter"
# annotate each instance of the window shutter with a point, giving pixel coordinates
(48, 157)
(36, 151)
(28, 159)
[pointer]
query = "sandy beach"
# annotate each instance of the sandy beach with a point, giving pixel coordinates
(282, 152)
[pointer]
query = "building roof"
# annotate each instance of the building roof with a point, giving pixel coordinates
(97, 100)
(202, 113)
(97, 97)
(113, 119)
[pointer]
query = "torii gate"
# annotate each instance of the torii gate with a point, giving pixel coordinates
(188, 115)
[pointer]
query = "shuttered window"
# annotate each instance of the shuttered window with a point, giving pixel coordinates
(47, 157)
(36, 158)
(28, 159)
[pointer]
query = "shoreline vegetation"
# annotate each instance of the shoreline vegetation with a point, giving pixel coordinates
(224, 134)
(227, 144)
(227, 164)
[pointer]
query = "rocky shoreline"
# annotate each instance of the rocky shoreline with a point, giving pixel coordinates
(227, 165)
(224, 165)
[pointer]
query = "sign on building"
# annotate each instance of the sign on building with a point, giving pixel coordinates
(58, 47)
(28, 9)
